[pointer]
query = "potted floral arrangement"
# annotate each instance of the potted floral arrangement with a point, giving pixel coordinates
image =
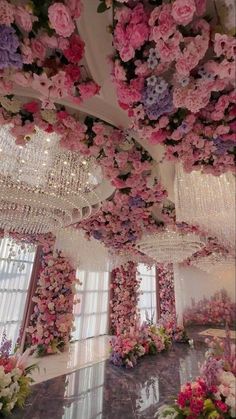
(15, 378)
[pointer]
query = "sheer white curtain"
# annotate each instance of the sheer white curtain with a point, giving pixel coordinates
(13, 288)
(147, 299)
(91, 313)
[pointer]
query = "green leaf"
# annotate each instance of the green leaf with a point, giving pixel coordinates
(102, 8)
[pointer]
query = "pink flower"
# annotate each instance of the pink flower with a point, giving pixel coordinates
(74, 53)
(75, 7)
(41, 83)
(26, 52)
(49, 41)
(24, 19)
(23, 79)
(6, 13)
(38, 49)
(200, 7)
(60, 19)
(157, 137)
(183, 11)
(88, 89)
(73, 72)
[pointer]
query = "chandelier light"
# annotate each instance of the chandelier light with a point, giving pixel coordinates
(42, 187)
(214, 263)
(170, 246)
(207, 201)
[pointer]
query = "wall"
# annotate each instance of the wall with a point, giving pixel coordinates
(192, 283)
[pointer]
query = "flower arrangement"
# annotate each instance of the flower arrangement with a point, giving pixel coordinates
(174, 74)
(52, 318)
(219, 309)
(177, 333)
(166, 289)
(212, 395)
(15, 378)
(124, 292)
(127, 347)
(41, 49)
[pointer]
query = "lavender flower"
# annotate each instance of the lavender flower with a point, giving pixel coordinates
(5, 347)
(97, 234)
(157, 98)
(210, 370)
(9, 42)
(222, 146)
(136, 202)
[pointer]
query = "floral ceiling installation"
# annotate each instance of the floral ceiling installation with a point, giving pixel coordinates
(41, 49)
(174, 74)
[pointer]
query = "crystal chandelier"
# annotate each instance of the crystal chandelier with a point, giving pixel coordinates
(214, 263)
(43, 187)
(207, 201)
(170, 246)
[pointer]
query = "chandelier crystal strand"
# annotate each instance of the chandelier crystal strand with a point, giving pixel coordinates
(44, 188)
(208, 201)
(170, 246)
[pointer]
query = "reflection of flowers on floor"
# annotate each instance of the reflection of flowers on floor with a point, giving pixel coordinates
(212, 395)
(14, 378)
(216, 310)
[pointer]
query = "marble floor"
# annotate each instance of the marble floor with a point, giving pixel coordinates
(102, 391)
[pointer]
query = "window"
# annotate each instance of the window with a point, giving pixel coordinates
(91, 313)
(147, 299)
(15, 274)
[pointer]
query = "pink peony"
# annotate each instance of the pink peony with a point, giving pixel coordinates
(24, 19)
(61, 20)
(6, 13)
(88, 89)
(38, 49)
(75, 7)
(183, 11)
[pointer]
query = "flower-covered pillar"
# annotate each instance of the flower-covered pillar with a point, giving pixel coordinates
(124, 297)
(51, 322)
(166, 289)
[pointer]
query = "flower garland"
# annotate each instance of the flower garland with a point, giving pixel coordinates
(15, 378)
(174, 74)
(52, 318)
(124, 298)
(212, 395)
(219, 309)
(40, 48)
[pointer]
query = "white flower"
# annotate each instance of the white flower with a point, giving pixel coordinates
(166, 412)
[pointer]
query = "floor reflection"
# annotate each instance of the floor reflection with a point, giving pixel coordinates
(102, 391)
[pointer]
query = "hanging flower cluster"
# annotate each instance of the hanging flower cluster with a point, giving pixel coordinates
(52, 318)
(219, 309)
(124, 298)
(40, 48)
(127, 347)
(174, 74)
(212, 394)
(166, 289)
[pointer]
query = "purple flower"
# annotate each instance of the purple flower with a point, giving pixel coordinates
(97, 234)
(222, 146)
(5, 347)
(8, 39)
(8, 46)
(157, 98)
(136, 202)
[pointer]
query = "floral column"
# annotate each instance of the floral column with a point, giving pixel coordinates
(52, 318)
(165, 277)
(124, 297)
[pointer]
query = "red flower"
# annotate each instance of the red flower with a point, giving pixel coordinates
(31, 107)
(75, 51)
(73, 72)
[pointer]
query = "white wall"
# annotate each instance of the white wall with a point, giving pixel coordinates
(198, 284)
(194, 283)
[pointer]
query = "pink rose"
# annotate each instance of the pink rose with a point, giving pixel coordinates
(75, 7)
(75, 51)
(26, 52)
(60, 19)
(24, 19)
(88, 89)
(6, 13)
(183, 11)
(38, 49)
(31, 107)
